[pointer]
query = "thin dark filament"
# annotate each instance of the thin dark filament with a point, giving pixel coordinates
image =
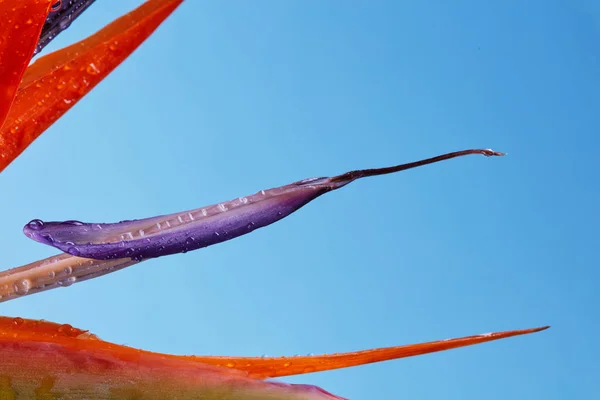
(352, 175)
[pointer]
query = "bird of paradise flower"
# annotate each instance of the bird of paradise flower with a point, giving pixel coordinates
(50, 361)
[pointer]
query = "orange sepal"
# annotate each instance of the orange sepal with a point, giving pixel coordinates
(20, 28)
(54, 83)
(24, 330)
(272, 367)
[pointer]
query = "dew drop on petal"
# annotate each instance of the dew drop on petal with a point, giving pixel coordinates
(36, 224)
(92, 69)
(22, 287)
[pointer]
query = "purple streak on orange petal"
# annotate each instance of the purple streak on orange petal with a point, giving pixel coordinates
(54, 83)
(47, 360)
(261, 367)
(20, 27)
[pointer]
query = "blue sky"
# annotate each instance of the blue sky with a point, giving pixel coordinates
(225, 100)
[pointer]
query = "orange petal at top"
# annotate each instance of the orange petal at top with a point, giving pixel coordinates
(54, 83)
(20, 29)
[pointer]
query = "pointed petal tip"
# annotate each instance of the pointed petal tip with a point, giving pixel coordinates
(273, 367)
(542, 328)
(492, 153)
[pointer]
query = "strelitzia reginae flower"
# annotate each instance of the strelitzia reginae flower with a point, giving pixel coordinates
(41, 359)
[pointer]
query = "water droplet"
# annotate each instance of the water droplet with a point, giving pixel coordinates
(18, 321)
(35, 224)
(56, 6)
(68, 270)
(47, 237)
(74, 251)
(67, 282)
(67, 330)
(92, 69)
(310, 180)
(22, 287)
(51, 274)
(72, 222)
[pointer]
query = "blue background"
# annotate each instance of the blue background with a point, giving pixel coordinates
(228, 99)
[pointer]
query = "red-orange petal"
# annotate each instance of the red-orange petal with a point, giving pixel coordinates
(260, 367)
(25, 330)
(20, 27)
(54, 83)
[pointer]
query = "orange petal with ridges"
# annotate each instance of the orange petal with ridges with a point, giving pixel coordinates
(20, 29)
(54, 83)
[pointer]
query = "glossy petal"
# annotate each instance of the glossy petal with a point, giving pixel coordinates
(191, 230)
(42, 360)
(21, 25)
(268, 367)
(60, 360)
(54, 83)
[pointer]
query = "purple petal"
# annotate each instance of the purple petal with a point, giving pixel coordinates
(191, 230)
